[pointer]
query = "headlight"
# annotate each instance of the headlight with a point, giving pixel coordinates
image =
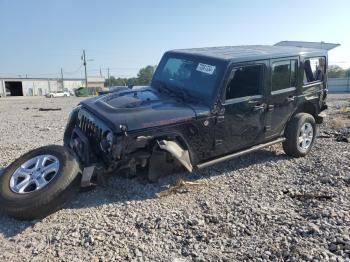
(107, 142)
(109, 138)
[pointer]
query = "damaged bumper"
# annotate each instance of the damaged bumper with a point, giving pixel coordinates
(320, 118)
(92, 142)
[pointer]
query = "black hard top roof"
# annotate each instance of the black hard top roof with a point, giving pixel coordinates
(249, 52)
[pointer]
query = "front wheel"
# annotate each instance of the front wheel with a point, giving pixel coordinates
(39, 182)
(300, 135)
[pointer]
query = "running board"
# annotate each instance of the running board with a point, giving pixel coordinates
(240, 153)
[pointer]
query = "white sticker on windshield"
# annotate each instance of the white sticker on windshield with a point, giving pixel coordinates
(204, 68)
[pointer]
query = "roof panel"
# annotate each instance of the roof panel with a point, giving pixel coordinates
(247, 51)
(316, 45)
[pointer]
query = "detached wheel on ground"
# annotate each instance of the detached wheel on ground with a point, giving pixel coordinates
(300, 135)
(39, 182)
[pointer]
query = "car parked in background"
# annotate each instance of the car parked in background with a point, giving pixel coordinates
(58, 94)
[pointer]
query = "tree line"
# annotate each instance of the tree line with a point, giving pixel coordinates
(335, 71)
(144, 77)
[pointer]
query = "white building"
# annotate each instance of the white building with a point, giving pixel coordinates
(43, 86)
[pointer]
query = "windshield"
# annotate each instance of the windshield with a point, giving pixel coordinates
(197, 76)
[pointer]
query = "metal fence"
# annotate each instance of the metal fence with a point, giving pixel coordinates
(339, 85)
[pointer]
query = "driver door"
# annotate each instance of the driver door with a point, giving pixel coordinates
(241, 121)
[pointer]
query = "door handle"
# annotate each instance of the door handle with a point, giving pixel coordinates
(259, 107)
(290, 98)
(270, 107)
(253, 102)
(220, 119)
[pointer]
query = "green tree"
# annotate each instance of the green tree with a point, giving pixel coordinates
(335, 71)
(145, 74)
(347, 72)
(144, 77)
(116, 81)
(132, 81)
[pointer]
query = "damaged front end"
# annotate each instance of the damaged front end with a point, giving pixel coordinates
(100, 149)
(130, 130)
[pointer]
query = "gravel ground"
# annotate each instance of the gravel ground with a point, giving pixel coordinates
(263, 206)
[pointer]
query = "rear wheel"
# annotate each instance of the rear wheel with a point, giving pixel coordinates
(300, 135)
(39, 182)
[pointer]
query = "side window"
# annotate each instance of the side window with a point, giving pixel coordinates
(244, 81)
(283, 74)
(314, 69)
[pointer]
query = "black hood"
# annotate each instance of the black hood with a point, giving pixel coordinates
(142, 107)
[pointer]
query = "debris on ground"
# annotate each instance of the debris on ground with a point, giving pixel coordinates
(345, 109)
(181, 186)
(343, 136)
(310, 196)
(45, 129)
(43, 109)
(50, 109)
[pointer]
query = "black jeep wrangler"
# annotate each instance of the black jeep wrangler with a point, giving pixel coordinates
(203, 106)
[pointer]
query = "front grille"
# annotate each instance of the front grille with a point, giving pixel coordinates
(90, 129)
(93, 129)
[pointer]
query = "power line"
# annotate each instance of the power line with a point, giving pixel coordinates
(74, 71)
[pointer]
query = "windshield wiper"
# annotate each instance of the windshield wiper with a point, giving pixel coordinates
(178, 92)
(163, 87)
(186, 94)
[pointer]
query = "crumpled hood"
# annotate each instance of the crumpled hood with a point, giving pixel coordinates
(141, 107)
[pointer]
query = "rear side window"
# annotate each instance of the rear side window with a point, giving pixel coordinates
(244, 81)
(283, 74)
(314, 69)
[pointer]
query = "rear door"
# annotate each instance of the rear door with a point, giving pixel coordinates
(281, 94)
(240, 123)
(314, 87)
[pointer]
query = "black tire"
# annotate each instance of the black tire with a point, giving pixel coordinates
(44, 201)
(292, 132)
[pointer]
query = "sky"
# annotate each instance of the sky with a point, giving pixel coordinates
(39, 37)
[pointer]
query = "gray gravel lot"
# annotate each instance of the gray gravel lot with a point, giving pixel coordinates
(263, 206)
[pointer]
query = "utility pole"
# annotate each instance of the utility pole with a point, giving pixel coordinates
(62, 79)
(108, 77)
(348, 80)
(84, 63)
